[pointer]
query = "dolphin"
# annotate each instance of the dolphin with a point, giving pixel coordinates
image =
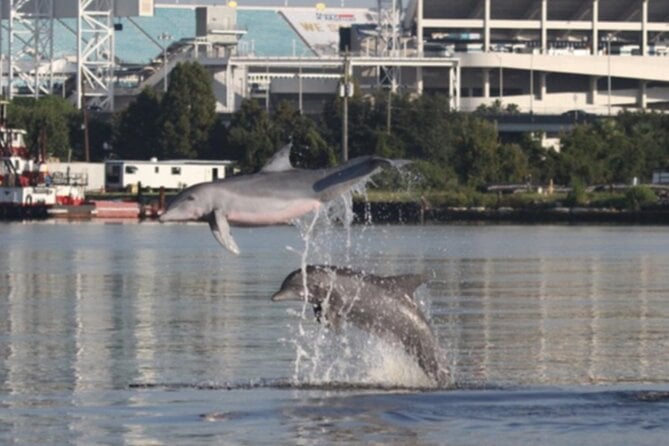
(383, 306)
(278, 194)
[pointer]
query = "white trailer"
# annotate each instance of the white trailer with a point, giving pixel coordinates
(154, 174)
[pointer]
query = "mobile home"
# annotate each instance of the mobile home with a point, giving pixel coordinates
(173, 174)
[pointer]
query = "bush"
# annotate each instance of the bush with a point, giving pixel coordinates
(577, 196)
(638, 197)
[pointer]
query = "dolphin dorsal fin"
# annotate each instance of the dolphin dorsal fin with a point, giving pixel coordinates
(406, 283)
(280, 161)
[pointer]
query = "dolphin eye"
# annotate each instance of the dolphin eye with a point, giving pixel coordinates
(190, 198)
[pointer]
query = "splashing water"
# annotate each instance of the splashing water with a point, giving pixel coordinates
(324, 355)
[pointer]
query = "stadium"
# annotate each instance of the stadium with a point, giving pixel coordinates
(544, 57)
(552, 56)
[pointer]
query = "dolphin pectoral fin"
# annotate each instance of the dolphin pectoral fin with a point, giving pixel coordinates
(220, 228)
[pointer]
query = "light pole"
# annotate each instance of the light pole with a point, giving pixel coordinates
(501, 78)
(346, 90)
(608, 59)
(164, 38)
(532, 82)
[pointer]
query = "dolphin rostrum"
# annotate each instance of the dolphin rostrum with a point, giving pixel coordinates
(278, 194)
(383, 306)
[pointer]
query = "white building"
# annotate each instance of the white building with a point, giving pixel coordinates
(550, 56)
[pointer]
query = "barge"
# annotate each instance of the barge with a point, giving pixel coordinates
(28, 190)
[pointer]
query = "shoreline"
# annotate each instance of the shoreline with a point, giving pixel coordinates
(411, 212)
(385, 212)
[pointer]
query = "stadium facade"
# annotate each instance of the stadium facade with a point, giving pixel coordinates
(551, 56)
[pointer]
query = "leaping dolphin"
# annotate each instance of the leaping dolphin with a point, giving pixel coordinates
(383, 306)
(278, 194)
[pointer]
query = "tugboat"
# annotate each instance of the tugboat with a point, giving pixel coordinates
(27, 189)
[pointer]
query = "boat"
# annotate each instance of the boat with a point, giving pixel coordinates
(27, 188)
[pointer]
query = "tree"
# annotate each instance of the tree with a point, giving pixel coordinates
(310, 150)
(475, 156)
(512, 163)
(49, 120)
(581, 155)
(137, 134)
(188, 112)
(251, 138)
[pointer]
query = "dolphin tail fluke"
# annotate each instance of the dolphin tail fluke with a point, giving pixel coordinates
(220, 228)
(353, 172)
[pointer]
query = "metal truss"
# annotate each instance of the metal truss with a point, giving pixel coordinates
(95, 54)
(29, 56)
(388, 39)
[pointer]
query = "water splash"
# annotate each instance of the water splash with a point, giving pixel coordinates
(323, 355)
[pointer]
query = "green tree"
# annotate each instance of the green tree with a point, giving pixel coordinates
(310, 150)
(581, 156)
(50, 121)
(251, 137)
(137, 134)
(475, 155)
(624, 159)
(188, 112)
(513, 166)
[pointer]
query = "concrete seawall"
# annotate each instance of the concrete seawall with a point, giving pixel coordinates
(389, 212)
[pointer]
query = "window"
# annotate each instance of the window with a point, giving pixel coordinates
(130, 170)
(113, 173)
(176, 170)
(156, 169)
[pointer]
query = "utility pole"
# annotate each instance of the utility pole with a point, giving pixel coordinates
(609, 36)
(345, 91)
(164, 38)
(84, 109)
(389, 110)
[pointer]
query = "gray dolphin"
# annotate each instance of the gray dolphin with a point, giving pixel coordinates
(383, 306)
(278, 194)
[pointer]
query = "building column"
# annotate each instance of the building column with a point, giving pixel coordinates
(501, 82)
(454, 87)
(451, 86)
(229, 85)
(486, 83)
(642, 95)
(644, 27)
(592, 92)
(542, 85)
(544, 25)
(595, 27)
(419, 27)
(486, 26)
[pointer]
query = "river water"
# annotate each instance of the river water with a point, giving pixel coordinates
(149, 334)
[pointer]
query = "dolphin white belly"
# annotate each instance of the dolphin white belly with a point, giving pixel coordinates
(262, 216)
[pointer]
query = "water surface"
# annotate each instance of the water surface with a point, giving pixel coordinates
(153, 334)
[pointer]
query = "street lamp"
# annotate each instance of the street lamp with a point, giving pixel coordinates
(501, 77)
(164, 38)
(609, 36)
